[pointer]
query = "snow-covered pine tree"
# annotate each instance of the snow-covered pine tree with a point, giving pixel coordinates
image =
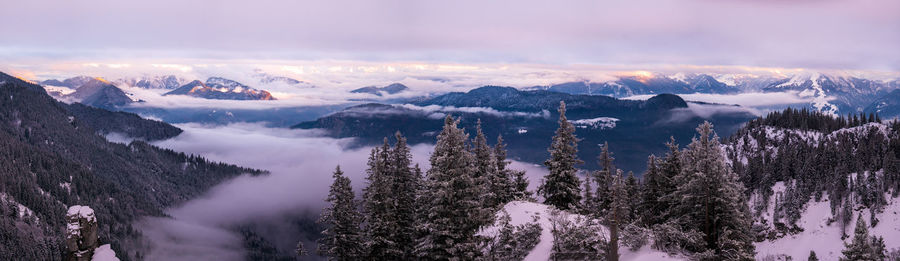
(405, 186)
(710, 199)
(451, 199)
(380, 222)
(652, 194)
(603, 179)
(669, 168)
(633, 187)
(863, 247)
(501, 182)
(588, 201)
(342, 237)
(561, 188)
(617, 214)
(520, 186)
(485, 171)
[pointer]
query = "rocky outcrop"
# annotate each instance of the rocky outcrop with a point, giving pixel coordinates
(81, 233)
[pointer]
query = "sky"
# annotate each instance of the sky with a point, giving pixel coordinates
(43, 36)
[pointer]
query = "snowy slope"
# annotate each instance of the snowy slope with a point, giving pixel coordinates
(825, 239)
(522, 212)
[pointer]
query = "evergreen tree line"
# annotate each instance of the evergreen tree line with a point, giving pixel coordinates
(815, 164)
(405, 214)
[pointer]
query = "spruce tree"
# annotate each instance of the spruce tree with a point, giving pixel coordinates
(862, 246)
(501, 182)
(652, 207)
(520, 186)
(485, 173)
(404, 187)
(451, 198)
(617, 214)
(632, 186)
(380, 222)
(670, 168)
(603, 179)
(710, 199)
(561, 188)
(342, 238)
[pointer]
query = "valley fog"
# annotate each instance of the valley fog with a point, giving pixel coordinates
(300, 162)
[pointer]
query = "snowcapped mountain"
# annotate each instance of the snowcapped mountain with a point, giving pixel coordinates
(265, 78)
(833, 94)
(153, 82)
(379, 91)
(221, 89)
(626, 86)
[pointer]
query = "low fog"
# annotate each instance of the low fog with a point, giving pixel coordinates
(300, 162)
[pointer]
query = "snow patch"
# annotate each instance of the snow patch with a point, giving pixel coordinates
(596, 123)
(104, 253)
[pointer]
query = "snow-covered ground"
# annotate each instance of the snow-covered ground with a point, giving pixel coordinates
(825, 239)
(523, 212)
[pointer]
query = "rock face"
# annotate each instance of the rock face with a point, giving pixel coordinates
(81, 233)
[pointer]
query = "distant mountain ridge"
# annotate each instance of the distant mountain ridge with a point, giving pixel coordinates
(154, 82)
(393, 88)
(221, 89)
(527, 120)
(834, 94)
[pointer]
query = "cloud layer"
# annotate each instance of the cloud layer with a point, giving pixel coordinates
(301, 163)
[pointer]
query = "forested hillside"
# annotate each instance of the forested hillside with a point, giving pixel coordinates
(53, 157)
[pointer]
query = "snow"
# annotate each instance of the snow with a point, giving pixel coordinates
(825, 239)
(23, 210)
(596, 123)
(523, 212)
(104, 253)
(67, 186)
(522, 131)
(82, 211)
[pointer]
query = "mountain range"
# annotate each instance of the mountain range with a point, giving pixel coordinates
(830, 93)
(527, 120)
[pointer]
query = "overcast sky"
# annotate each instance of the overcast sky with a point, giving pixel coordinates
(818, 34)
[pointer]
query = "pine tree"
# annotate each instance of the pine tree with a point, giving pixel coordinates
(633, 188)
(603, 179)
(863, 247)
(561, 188)
(501, 182)
(588, 199)
(520, 186)
(451, 198)
(617, 214)
(652, 194)
(404, 187)
(380, 222)
(812, 256)
(710, 198)
(669, 170)
(342, 238)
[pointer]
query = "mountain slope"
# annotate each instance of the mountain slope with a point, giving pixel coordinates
(53, 158)
(99, 93)
(888, 105)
